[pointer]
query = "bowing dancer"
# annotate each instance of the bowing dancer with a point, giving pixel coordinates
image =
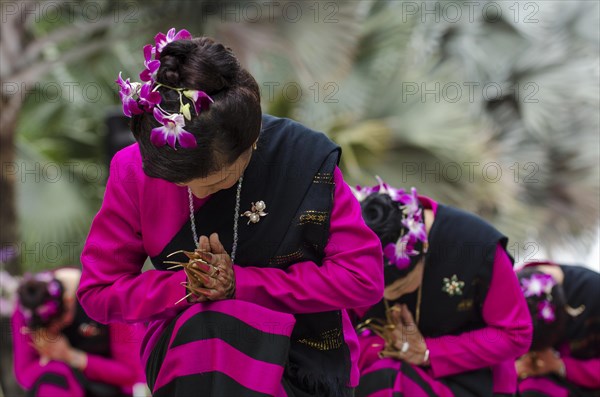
(60, 351)
(453, 318)
(564, 358)
(258, 245)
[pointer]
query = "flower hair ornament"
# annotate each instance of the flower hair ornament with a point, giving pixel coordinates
(540, 285)
(50, 307)
(400, 252)
(140, 97)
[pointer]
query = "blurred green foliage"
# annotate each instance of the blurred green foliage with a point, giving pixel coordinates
(349, 69)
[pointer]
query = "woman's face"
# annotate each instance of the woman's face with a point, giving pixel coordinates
(405, 285)
(223, 179)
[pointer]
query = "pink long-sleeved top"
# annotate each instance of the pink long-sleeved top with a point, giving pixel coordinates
(121, 369)
(584, 373)
(507, 334)
(140, 215)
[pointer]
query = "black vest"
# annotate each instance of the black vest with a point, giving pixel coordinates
(87, 335)
(582, 287)
(292, 172)
(464, 245)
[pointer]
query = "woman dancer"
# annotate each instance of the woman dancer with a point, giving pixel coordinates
(564, 358)
(452, 319)
(60, 351)
(275, 247)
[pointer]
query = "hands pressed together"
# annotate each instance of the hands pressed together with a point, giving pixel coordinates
(404, 341)
(540, 363)
(210, 271)
(56, 347)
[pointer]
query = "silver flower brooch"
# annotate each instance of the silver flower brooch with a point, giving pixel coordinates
(256, 212)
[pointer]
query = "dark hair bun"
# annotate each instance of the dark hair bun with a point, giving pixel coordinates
(223, 132)
(384, 216)
(40, 300)
(169, 70)
(200, 64)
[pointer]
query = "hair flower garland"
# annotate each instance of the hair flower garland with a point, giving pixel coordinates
(171, 130)
(361, 193)
(546, 311)
(400, 252)
(50, 307)
(138, 98)
(47, 310)
(539, 285)
(127, 92)
(161, 40)
(148, 98)
(149, 74)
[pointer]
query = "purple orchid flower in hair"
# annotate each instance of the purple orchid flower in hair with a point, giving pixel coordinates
(149, 74)
(362, 192)
(410, 202)
(391, 191)
(200, 98)
(546, 311)
(399, 253)
(54, 289)
(415, 228)
(44, 277)
(126, 92)
(537, 285)
(149, 98)
(162, 40)
(47, 310)
(171, 131)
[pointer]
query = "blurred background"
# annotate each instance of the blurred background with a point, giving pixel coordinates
(491, 106)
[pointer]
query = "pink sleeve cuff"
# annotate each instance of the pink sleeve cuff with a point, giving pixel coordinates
(584, 373)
